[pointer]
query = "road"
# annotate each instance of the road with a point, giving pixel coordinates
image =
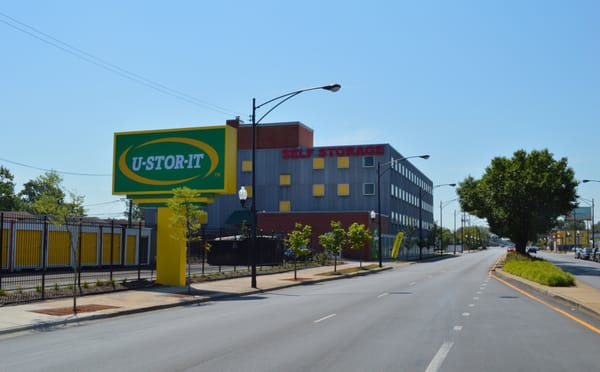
(443, 315)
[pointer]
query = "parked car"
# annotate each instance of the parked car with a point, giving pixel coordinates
(532, 249)
(595, 255)
(511, 249)
(582, 253)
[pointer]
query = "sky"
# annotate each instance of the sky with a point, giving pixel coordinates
(463, 81)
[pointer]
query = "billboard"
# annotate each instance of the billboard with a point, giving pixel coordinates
(581, 213)
(157, 161)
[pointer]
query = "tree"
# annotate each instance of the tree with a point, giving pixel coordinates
(185, 219)
(47, 184)
(521, 197)
(333, 241)
(8, 199)
(358, 236)
(298, 241)
(69, 215)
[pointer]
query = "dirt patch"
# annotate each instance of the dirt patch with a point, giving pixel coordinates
(69, 310)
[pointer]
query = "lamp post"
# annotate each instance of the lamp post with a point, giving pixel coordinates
(442, 226)
(592, 229)
(277, 101)
(442, 206)
(379, 174)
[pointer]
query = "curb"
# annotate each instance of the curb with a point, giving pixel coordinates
(185, 302)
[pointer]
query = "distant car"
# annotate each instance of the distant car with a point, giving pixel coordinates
(511, 249)
(532, 249)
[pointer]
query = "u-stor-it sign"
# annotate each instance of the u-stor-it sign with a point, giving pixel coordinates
(156, 162)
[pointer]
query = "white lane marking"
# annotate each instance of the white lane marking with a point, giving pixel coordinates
(476, 298)
(458, 328)
(439, 357)
(383, 295)
(471, 305)
(412, 283)
(466, 314)
(324, 318)
(479, 292)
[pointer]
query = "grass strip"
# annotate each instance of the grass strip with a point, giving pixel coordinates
(537, 270)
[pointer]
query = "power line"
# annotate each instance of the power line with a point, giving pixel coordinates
(111, 67)
(54, 170)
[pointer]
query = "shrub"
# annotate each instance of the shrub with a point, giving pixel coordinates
(537, 270)
(99, 283)
(85, 284)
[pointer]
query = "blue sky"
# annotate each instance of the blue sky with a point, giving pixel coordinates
(463, 81)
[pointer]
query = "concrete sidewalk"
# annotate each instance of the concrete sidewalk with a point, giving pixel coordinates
(58, 312)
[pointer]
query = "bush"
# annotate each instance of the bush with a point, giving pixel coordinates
(537, 270)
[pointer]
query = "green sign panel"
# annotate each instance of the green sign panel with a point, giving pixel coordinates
(156, 162)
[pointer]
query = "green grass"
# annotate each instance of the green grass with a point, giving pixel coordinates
(537, 270)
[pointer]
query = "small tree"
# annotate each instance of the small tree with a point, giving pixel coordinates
(333, 241)
(358, 236)
(68, 214)
(186, 219)
(298, 240)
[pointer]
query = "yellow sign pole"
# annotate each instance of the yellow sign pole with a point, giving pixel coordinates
(170, 252)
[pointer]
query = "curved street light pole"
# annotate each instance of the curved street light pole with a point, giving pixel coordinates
(279, 100)
(379, 174)
(592, 230)
(442, 226)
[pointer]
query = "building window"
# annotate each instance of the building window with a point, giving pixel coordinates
(285, 179)
(284, 206)
(318, 190)
(246, 165)
(368, 161)
(343, 189)
(318, 163)
(343, 162)
(368, 189)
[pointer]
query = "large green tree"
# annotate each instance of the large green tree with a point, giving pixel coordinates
(521, 197)
(48, 184)
(8, 199)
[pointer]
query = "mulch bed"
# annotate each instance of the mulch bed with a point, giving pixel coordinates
(69, 310)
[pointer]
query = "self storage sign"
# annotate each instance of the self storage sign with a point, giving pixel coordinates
(156, 162)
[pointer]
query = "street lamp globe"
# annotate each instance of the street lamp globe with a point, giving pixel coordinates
(243, 195)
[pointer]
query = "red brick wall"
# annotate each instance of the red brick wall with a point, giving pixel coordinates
(320, 223)
(275, 136)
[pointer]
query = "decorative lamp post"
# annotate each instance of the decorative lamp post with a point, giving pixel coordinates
(243, 195)
(277, 101)
(379, 174)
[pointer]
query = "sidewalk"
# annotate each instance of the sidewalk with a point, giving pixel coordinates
(58, 312)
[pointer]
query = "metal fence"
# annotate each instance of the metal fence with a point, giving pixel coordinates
(39, 259)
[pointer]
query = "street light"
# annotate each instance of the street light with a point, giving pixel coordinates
(442, 226)
(379, 174)
(277, 102)
(442, 206)
(592, 230)
(421, 216)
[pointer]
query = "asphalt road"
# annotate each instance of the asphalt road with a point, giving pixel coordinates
(444, 315)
